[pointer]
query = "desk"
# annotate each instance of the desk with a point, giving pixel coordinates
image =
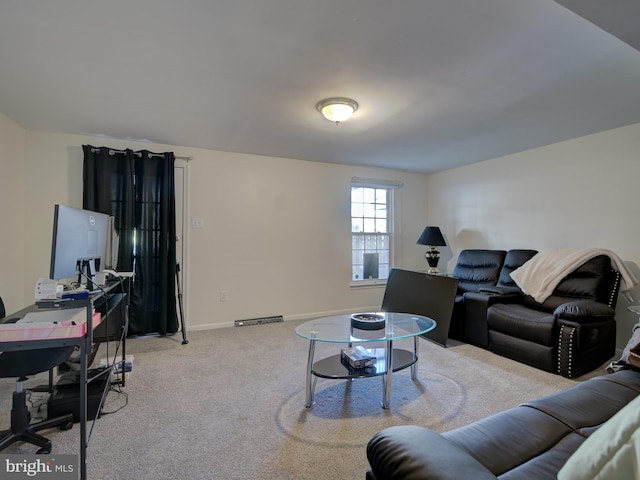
(338, 329)
(84, 342)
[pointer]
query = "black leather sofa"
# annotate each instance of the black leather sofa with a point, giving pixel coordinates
(531, 441)
(571, 333)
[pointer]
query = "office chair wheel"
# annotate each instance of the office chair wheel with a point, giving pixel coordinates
(67, 426)
(44, 450)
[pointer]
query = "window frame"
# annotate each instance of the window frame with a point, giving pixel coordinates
(390, 186)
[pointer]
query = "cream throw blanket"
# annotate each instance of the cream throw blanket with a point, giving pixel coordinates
(543, 272)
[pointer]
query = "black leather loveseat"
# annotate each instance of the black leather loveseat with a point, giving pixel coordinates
(531, 441)
(570, 333)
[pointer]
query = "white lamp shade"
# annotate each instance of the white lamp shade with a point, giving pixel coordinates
(337, 112)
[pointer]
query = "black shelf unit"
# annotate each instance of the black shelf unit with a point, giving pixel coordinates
(114, 296)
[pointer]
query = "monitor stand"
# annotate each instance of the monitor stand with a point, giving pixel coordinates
(87, 272)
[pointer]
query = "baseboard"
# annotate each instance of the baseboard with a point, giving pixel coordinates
(330, 313)
(288, 318)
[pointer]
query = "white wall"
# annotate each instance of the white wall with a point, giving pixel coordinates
(12, 212)
(579, 193)
(276, 231)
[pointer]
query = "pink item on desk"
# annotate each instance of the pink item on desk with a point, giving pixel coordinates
(11, 332)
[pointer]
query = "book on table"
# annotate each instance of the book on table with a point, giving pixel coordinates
(358, 356)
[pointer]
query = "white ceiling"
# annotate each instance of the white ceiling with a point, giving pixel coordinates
(440, 83)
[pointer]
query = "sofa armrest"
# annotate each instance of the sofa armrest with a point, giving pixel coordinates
(584, 311)
(489, 296)
(417, 453)
(586, 336)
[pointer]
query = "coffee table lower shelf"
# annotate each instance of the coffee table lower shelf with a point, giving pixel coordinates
(334, 368)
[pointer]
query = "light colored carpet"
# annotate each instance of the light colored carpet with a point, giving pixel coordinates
(230, 405)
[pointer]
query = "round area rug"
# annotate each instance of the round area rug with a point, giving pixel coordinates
(348, 413)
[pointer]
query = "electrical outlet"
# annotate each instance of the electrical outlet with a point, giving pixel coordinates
(224, 295)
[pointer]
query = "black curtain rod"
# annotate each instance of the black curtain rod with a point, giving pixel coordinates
(113, 152)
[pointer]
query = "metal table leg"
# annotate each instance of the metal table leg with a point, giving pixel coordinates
(386, 383)
(311, 379)
(414, 367)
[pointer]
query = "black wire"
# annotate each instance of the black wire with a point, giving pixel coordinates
(121, 394)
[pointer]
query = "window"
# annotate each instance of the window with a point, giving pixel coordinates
(371, 232)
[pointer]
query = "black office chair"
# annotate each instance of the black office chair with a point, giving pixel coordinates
(20, 364)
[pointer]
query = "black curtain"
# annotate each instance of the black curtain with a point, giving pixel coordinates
(138, 190)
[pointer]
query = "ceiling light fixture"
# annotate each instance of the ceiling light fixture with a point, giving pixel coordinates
(337, 109)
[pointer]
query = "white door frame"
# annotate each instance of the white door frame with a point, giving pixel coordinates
(181, 171)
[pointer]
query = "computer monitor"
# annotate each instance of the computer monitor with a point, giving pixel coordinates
(79, 245)
(423, 294)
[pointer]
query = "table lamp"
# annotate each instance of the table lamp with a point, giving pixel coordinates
(432, 237)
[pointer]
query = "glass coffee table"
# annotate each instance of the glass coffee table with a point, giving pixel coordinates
(339, 329)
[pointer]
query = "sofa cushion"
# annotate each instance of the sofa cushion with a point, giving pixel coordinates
(546, 465)
(513, 259)
(628, 378)
(516, 320)
(593, 281)
(510, 438)
(613, 451)
(586, 280)
(478, 268)
(590, 404)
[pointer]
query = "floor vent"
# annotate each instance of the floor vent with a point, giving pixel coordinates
(258, 321)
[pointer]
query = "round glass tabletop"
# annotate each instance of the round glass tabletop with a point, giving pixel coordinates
(339, 329)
